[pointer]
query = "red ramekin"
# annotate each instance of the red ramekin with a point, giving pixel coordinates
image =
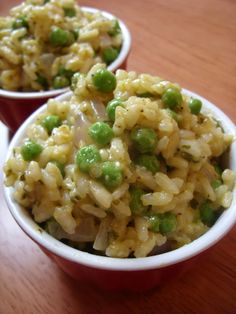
(15, 107)
(127, 274)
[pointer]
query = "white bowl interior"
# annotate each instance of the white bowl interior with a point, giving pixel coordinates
(126, 45)
(216, 232)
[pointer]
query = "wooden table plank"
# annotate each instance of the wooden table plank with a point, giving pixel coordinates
(194, 44)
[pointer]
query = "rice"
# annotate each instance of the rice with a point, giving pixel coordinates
(144, 202)
(32, 59)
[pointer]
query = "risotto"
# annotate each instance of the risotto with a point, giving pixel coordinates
(128, 166)
(44, 42)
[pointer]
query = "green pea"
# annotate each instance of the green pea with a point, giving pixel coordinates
(30, 150)
(145, 139)
(195, 106)
(109, 54)
(172, 98)
(115, 30)
(168, 223)
(173, 115)
(104, 81)
(20, 22)
(60, 82)
(111, 108)
(150, 162)
(60, 166)
(50, 122)
(70, 12)
(42, 81)
(86, 157)
(216, 183)
(71, 38)
(61, 37)
(136, 205)
(207, 214)
(112, 175)
(154, 222)
(101, 133)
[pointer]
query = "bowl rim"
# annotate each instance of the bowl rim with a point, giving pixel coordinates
(212, 236)
(124, 52)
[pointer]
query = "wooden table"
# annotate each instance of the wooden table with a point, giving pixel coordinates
(194, 44)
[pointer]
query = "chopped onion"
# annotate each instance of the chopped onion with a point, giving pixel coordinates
(82, 125)
(99, 109)
(101, 241)
(85, 232)
(47, 59)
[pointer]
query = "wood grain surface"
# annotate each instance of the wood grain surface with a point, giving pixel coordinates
(192, 43)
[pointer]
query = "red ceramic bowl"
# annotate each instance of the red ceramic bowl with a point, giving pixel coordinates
(15, 107)
(128, 274)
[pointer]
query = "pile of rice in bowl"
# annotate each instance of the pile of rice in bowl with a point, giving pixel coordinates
(44, 42)
(128, 166)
